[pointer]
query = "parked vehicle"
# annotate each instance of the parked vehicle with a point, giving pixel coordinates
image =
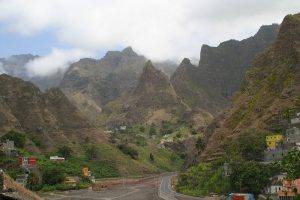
(241, 196)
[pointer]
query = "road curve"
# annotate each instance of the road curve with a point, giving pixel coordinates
(165, 191)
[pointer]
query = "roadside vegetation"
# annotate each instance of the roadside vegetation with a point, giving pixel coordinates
(246, 173)
(127, 155)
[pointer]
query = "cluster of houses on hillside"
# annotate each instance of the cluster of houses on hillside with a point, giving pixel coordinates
(278, 146)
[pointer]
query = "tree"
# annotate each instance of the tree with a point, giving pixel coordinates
(291, 164)
(129, 151)
(200, 144)
(19, 138)
(65, 151)
(91, 152)
(142, 128)
(152, 130)
(249, 176)
(33, 182)
(252, 146)
(53, 176)
(151, 157)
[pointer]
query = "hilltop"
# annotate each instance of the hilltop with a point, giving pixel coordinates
(270, 86)
(211, 85)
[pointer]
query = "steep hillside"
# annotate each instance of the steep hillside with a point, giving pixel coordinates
(211, 85)
(153, 100)
(48, 116)
(91, 84)
(153, 93)
(270, 86)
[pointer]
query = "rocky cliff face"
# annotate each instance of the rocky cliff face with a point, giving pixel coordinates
(46, 115)
(271, 85)
(90, 84)
(211, 85)
(154, 95)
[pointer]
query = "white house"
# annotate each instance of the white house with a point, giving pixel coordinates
(57, 159)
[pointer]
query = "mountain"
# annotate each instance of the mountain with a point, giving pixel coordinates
(168, 67)
(48, 116)
(91, 84)
(154, 98)
(211, 85)
(16, 66)
(271, 86)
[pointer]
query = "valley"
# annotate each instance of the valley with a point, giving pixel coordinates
(127, 127)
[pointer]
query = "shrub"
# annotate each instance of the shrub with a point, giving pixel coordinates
(16, 136)
(152, 130)
(65, 151)
(128, 151)
(200, 144)
(252, 146)
(33, 182)
(91, 152)
(151, 157)
(53, 176)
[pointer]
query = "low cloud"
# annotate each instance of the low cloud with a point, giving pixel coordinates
(57, 60)
(158, 29)
(2, 71)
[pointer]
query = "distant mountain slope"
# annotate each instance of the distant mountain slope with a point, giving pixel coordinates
(91, 84)
(211, 85)
(48, 115)
(16, 66)
(270, 86)
(154, 93)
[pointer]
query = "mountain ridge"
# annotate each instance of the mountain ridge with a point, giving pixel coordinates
(271, 85)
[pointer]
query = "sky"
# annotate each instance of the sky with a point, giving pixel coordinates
(63, 31)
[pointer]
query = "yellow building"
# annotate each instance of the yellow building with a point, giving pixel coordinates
(273, 141)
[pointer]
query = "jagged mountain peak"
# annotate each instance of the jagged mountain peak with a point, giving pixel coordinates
(149, 67)
(154, 97)
(270, 86)
(186, 61)
(128, 51)
(265, 30)
(288, 35)
(151, 76)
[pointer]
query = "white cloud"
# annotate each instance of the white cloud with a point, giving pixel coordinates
(2, 71)
(57, 60)
(159, 29)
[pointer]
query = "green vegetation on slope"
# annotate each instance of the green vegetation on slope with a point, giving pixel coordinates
(120, 159)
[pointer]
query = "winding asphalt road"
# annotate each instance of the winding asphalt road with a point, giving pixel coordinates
(165, 191)
(151, 189)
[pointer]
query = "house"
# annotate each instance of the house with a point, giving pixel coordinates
(227, 169)
(72, 180)
(22, 179)
(295, 120)
(276, 184)
(275, 154)
(8, 148)
(274, 141)
(292, 135)
(57, 159)
(290, 190)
